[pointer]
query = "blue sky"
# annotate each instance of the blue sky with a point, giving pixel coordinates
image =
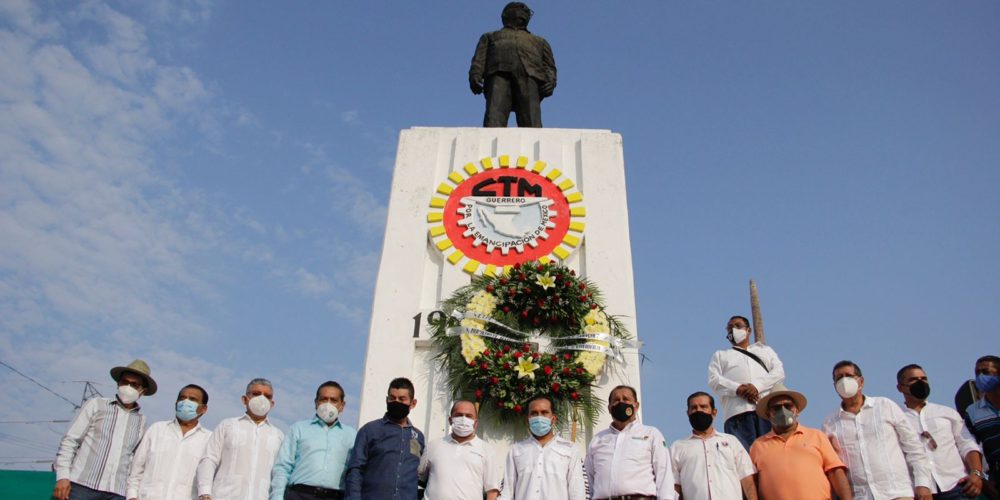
(203, 185)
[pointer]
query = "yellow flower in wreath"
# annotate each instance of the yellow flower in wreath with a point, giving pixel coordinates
(545, 281)
(526, 368)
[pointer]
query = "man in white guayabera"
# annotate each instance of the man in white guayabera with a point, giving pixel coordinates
(460, 465)
(239, 455)
(739, 377)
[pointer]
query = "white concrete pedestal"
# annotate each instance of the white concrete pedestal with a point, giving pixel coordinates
(414, 275)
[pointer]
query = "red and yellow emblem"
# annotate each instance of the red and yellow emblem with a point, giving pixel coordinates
(497, 213)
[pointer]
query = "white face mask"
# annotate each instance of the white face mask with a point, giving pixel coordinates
(259, 405)
(739, 335)
(463, 426)
(127, 394)
(847, 387)
(327, 412)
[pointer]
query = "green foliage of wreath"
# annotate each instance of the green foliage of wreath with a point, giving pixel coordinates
(488, 358)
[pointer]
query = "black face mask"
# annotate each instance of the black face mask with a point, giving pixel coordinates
(920, 389)
(700, 421)
(397, 410)
(622, 412)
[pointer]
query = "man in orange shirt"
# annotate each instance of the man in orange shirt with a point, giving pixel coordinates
(794, 461)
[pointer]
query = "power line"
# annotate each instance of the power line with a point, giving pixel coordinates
(39, 384)
(34, 421)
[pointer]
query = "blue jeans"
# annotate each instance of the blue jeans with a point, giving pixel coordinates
(81, 492)
(747, 427)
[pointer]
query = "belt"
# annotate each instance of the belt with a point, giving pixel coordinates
(631, 497)
(316, 491)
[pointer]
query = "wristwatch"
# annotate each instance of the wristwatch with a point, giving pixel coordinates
(982, 475)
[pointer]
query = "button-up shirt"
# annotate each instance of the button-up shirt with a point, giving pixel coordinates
(238, 460)
(97, 449)
(951, 442)
(165, 463)
(984, 421)
(314, 454)
(794, 467)
(459, 471)
(632, 461)
(729, 369)
(550, 472)
(877, 444)
(711, 468)
(384, 461)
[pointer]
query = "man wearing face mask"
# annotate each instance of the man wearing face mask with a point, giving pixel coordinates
(95, 454)
(387, 451)
(312, 461)
(983, 417)
(165, 462)
(543, 466)
(740, 376)
(239, 455)
(794, 461)
(460, 465)
(709, 464)
(628, 459)
(948, 444)
(876, 441)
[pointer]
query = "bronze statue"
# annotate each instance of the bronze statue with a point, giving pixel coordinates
(515, 68)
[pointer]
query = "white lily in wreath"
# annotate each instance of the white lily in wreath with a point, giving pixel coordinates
(526, 368)
(545, 281)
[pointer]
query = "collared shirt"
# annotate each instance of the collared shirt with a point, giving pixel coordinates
(730, 369)
(165, 463)
(951, 443)
(878, 444)
(984, 421)
(632, 461)
(796, 467)
(384, 461)
(711, 468)
(238, 459)
(314, 454)
(550, 472)
(97, 449)
(459, 471)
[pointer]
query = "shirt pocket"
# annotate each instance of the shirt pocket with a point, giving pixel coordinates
(558, 462)
(636, 450)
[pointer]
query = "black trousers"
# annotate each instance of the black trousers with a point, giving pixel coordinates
(506, 92)
(291, 494)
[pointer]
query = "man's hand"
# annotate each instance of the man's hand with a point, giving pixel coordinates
(477, 88)
(923, 493)
(972, 485)
(61, 492)
(748, 392)
(546, 88)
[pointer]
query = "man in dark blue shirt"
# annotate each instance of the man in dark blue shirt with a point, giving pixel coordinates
(383, 464)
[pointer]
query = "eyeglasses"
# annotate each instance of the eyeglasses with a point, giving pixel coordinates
(135, 384)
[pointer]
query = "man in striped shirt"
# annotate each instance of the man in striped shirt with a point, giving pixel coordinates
(96, 452)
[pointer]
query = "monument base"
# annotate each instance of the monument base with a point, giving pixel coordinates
(421, 264)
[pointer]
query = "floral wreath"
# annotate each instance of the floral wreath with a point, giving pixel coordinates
(536, 329)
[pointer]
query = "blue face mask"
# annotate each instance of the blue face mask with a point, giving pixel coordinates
(986, 383)
(187, 410)
(540, 426)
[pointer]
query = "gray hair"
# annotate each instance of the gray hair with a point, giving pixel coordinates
(259, 381)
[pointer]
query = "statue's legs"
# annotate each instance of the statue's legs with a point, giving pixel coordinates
(506, 92)
(499, 99)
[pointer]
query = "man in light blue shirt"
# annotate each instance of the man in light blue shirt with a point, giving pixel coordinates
(312, 460)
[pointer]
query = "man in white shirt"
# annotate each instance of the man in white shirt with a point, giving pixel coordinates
(711, 465)
(95, 454)
(165, 462)
(460, 465)
(949, 445)
(544, 466)
(628, 459)
(239, 455)
(876, 442)
(739, 377)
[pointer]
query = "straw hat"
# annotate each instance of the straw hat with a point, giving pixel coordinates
(140, 368)
(779, 389)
